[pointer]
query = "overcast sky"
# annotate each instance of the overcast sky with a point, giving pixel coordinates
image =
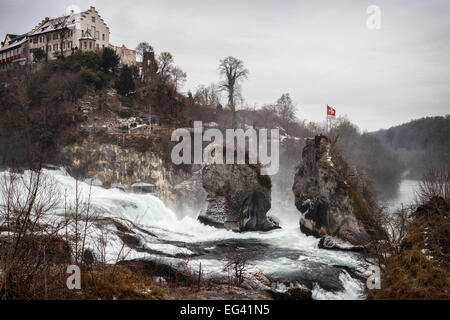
(321, 52)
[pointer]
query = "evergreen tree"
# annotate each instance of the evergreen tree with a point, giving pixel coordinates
(110, 60)
(125, 83)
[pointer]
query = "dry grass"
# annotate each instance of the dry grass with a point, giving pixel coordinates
(119, 283)
(421, 268)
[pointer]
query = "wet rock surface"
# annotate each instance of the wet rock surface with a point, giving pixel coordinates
(331, 243)
(238, 198)
(324, 196)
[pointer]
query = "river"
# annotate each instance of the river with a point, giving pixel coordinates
(284, 254)
(403, 197)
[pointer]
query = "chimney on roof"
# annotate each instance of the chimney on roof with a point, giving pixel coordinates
(92, 8)
(72, 11)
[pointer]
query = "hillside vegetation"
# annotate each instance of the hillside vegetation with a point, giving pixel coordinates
(368, 155)
(421, 144)
(58, 103)
(418, 267)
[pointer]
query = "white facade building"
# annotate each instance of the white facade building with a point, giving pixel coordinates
(85, 31)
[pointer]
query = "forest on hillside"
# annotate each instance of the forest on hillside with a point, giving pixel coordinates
(421, 144)
(382, 166)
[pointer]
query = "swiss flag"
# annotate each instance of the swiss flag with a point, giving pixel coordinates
(331, 111)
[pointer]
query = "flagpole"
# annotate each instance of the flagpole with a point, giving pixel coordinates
(327, 119)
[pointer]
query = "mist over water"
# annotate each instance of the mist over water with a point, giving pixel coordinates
(404, 196)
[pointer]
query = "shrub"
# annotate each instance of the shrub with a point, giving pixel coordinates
(89, 60)
(39, 55)
(91, 78)
(418, 268)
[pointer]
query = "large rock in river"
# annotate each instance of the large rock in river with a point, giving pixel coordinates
(239, 197)
(327, 194)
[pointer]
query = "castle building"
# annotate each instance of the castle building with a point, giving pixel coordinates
(52, 38)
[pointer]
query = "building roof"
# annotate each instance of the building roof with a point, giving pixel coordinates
(67, 21)
(50, 25)
(14, 43)
(11, 36)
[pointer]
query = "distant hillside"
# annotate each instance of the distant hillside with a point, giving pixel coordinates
(368, 155)
(421, 144)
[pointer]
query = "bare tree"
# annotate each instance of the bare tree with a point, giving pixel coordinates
(207, 96)
(436, 183)
(237, 264)
(234, 72)
(165, 64)
(30, 239)
(179, 77)
(143, 48)
(286, 111)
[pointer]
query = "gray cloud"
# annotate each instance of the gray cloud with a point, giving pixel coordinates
(319, 51)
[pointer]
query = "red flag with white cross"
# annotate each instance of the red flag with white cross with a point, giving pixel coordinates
(331, 111)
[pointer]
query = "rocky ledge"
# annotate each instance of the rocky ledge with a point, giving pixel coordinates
(239, 198)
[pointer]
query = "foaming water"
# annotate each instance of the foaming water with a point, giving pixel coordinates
(288, 249)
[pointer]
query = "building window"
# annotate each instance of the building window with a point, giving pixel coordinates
(82, 33)
(55, 36)
(93, 19)
(85, 44)
(103, 37)
(90, 45)
(97, 35)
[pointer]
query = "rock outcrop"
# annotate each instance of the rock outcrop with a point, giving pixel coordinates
(238, 197)
(331, 243)
(327, 196)
(112, 166)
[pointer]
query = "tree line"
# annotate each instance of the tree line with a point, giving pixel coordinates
(420, 144)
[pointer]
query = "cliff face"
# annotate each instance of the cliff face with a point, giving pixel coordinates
(238, 197)
(109, 165)
(324, 196)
